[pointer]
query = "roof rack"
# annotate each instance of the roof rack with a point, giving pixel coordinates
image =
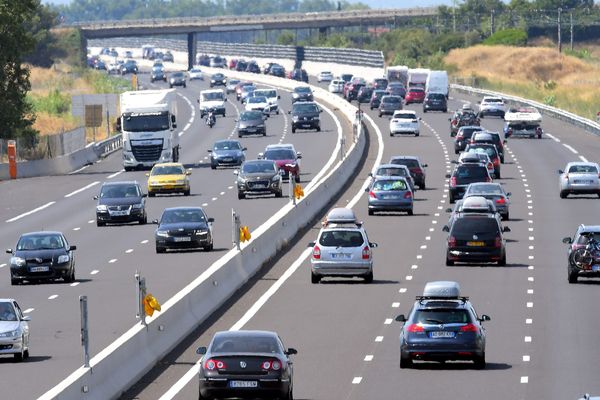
(421, 299)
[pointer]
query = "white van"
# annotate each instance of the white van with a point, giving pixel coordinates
(215, 99)
(272, 98)
(437, 82)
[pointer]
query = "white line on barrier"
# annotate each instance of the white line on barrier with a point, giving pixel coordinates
(79, 170)
(571, 148)
(82, 189)
(31, 212)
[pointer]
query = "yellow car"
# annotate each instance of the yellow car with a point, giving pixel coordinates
(168, 178)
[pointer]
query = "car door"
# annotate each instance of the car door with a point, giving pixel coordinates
(24, 325)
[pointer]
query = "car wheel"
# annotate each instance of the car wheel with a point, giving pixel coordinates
(451, 198)
(424, 110)
(599, 195)
(71, 277)
(171, 86)
(391, 134)
(416, 134)
(445, 110)
(26, 353)
(449, 262)
(410, 212)
(143, 220)
(405, 362)
(14, 281)
(186, 193)
(497, 175)
(241, 195)
(297, 178)
(380, 115)
(502, 159)
(368, 277)
(539, 136)
(160, 249)
(506, 217)
(502, 262)
(319, 128)
(19, 356)
(184, 85)
(480, 361)
(100, 223)
(265, 133)
(572, 275)
(314, 278)
(293, 129)
(279, 194)
(564, 194)
(209, 247)
(371, 212)
(422, 187)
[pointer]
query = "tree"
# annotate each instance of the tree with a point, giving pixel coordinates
(45, 47)
(286, 38)
(16, 118)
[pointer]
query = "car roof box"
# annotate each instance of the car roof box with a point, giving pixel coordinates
(341, 215)
(442, 290)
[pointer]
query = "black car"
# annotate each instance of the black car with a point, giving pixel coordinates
(218, 79)
(389, 104)
(462, 176)
(585, 235)
(253, 67)
(396, 89)
(442, 326)
(120, 202)
(415, 166)
(463, 137)
(168, 56)
(99, 64)
(277, 70)
(183, 228)
(380, 83)
(463, 118)
(305, 115)
(241, 65)
(475, 238)
(177, 79)
(129, 66)
(251, 123)
(158, 74)
(492, 152)
(259, 176)
(376, 98)
(267, 67)
(353, 89)
(42, 255)
(227, 153)
(364, 94)
(346, 77)
(435, 102)
(491, 138)
(299, 74)
(246, 364)
(302, 93)
(203, 60)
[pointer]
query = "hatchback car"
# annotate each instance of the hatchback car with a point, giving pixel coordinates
(183, 228)
(491, 150)
(414, 95)
(120, 202)
(405, 122)
(42, 256)
(286, 158)
(158, 74)
(302, 93)
(390, 193)
(474, 157)
(14, 330)
(415, 166)
(376, 98)
(251, 123)
(475, 238)
(195, 73)
(253, 67)
(380, 83)
(364, 94)
(579, 178)
(463, 137)
(325, 76)
(226, 153)
(494, 192)
(258, 177)
(342, 248)
(581, 238)
(389, 104)
(129, 67)
(168, 178)
(473, 204)
(231, 85)
(336, 86)
(491, 105)
(177, 79)
(246, 364)
(396, 89)
(277, 70)
(306, 115)
(442, 325)
(218, 79)
(395, 170)
(435, 102)
(462, 176)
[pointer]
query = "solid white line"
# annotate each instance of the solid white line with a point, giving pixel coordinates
(31, 212)
(79, 170)
(570, 148)
(115, 174)
(82, 189)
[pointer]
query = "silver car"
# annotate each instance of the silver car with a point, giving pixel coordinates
(491, 191)
(342, 248)
(395, 170)
(14, 330)
(579, 178)
(390, 193)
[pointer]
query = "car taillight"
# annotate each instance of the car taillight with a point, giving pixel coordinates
(453, 181)
(272, 365)
(213, 364)
(416, 170)
(372, 195)
(490, 165)
(451, 241)
(408, 195)
(500, 201)
(469, 328)
(498, 242)
(415, 328)
(510, 131)
(366, 253)
(496, 161)
(316, 253)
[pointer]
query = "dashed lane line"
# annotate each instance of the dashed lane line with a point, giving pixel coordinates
(73, 193)
(18, 217)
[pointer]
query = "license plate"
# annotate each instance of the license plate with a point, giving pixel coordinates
(251, 130)
(477, 244)
(582, 181)
(243, 384)
(390, 196)
(182, 239)
(39, 269)
(339, 256)
(260, 186)
(119, 213)
(228, 159)
(441, 334)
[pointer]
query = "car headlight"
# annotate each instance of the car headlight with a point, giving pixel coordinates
(241, 180)
(63, 259)
(162, 233)
(180, 182)
(18, 261)
(138, 206)
(212, 81)
(15, 333)
(101, 208)
(295, 118)
(295, 95)
(201, 232)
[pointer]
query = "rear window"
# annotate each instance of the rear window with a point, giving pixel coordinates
(405, 161)
(489, 150)
(435, 96)
(389, 171)
(341, 238)
(387, 185)
(467, 133)
(471, 172)
(441, 316)
(583, 169)
(474, 226)
(244, 344)
(391, 99)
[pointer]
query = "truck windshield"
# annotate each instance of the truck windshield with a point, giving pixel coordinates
(148, 122)
(212, 96)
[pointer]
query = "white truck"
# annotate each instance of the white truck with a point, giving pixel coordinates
(437, 82)
(148, 122)
(397, 73)
(417, 77)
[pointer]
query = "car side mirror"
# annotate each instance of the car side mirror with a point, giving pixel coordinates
(560, 171)
(291, 351)
(373, 245)
(566, 240)
(188, 172)
(299, 154)
(289, 112)
(72, 248)
(448, 210)
(506, 229)
(311, 244)
(211, 220)
(95, 197)
(508, 194)
(366, 190)
(424, 165)
(225, 99)
(236, 172)
(9, 251)
(210, 151)
(485, 318)
(320, 110)
(446, 228)
(401, 318)
(201, 350)
(26, 318)
(244, 149)
(448, 176)
(147, 174)
(144, 194)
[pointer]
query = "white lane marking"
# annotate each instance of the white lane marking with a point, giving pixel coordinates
(144, 241)
(582, 158)
(128, 251)
(229, 187)
(53, 297)
(204, 204)
(530, 267)
(214, 199)
(570, 148)
(94, 272)
(408, 277)
(402, 290)
(530, 279)
(74, 284)
(529, 291)
(379, 339)
(73, 193)
(368, 357)
(396, 305)
(91, 221)
(529, 321)
(529, 304)
(524, 379)
(2, 265)
(427, 237)
(29, 310)
(414, 266)
(356, 380)
(112, 261)
(388, 321)
(115, 174)
(222, 193)
(557, 140)
(528, 339)
(76, 229)
(526, 358)
(420, 256)
(423, 246)
(18, 217)
(79, 170)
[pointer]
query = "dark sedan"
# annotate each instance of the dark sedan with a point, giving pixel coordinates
(252, 123)
(396, 89)
(253, 67)
(42, 255)
(246, 364)
(129, 66)
(226, 153)
(463, 137)
(183, 228)
(158, 74)
(376, 98)
(302, 93)
(218, 79)
(415, 166)
(364, 94)
(462, 176)
(277, 70)
(120, 202)
(305, 115)
(177, 79)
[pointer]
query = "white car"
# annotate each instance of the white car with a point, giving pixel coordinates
(258, 103)
(579, 178)
(272, 98)
(114, 67)
(491, 105)
(325, 76)
(195, 73)
(14, 330)
(406, 122)
(336, 86)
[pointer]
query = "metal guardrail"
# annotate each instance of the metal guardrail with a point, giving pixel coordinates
(108, 146)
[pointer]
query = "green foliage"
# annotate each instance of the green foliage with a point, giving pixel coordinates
(286, 38)
(68, 47)
(583, 54)
(550, 100)
(39, 26)
(104, 83)
(508, 37)
(550, 85)
(54, 103)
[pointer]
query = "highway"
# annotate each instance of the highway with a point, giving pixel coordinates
(539, 341)
(107, 257)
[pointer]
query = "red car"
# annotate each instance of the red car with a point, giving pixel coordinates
(232, 63)
(414, 95)
(285, 157)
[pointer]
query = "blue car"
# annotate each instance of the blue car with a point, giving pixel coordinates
(227, 153)
(390, 193)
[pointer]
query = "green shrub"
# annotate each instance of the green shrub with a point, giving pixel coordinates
(53, 103)
(507, 37)
(583, 54)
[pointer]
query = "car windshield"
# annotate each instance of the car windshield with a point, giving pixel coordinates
(7, 312)
(119, 191)
(258, 167)
(489, 150)
(244, 344)
(251, 116)
(583, 169)
(212, 96)
(388, 185)
(233, 82)
(280, 154)
(183, 215)
(441, 316)
(471, 172)
(391, 99)
(257, 99)
(404, 116)
(410, 163)
(306, 108)
(475, 226)
(484, 189)
(492, 101)
(146, 122)
(167, 170)
(391, 171)
(177, 75)
(266, 93)
(435, 96)
(341, 238)
(303, 90)
(227, 146)
(40, 242)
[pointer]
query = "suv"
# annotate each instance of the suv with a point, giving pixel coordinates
(120, 202)
(442, 325)
(491, 150)
(305, 115)
(342, 248)
(302, 93)
(475, 238)
(462, 176)
(415, 166)
(389, 104)
(490, 138)
(258, 176)
(463, 136)
(435, 102)
(285, 157)
(580, 240)
(158, 74)
(376, 98)
(129, 66)
(405, 121)
(491, 105)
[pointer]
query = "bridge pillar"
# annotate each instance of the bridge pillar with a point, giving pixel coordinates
(191, 47)
(83, 50)
(323, 32)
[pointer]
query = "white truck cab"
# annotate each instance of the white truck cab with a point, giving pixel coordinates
(215, 99)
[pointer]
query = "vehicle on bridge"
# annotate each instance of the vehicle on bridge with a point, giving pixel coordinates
(148, 122)
(183, 228)
(14, 330)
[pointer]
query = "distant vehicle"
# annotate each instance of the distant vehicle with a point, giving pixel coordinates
(217, 62)
(158, 74)
(405, 122)
(494, 192)
(336, 86)
(396, 89)
(352, 88)
(302, 93)
(129, 66)
(183, 228)
(462, 176)
(389, 104)
(417, 77)
(390, 193)
(245, 92)
(218, 79)
(463, 137)
(306, 115)
(232, 63)
(286, 158)
(240, 87)
(267, 67)
(380, 84)
(435, 102)
(272, 97)
(277, 70)
(490, 137)
(364, 94)
(251, 123)
(415, 166)
(258, 103)
(346, 77)
(395, 170)
(168, 57)
(14, 330)
(437, 82)
(168, 178)
(148, 52)
(325, 76)
(203, 60)
(253, 67)
(489, 149)
(128, 54)
(226, 153)
(99, 64)
(241, 65)
(583, 258)
(491, 105)
(414, 95)
(214, 99)
(44, 255)
(579, 178)
(177, 79)
(398, 73)
(231, 84)
(120, 202)
(258, 177)
(195, 73)
(463, 117)
(299, 74)
(375, 100)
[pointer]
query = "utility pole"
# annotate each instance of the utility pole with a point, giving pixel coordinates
(571, 28)
(559, 33)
